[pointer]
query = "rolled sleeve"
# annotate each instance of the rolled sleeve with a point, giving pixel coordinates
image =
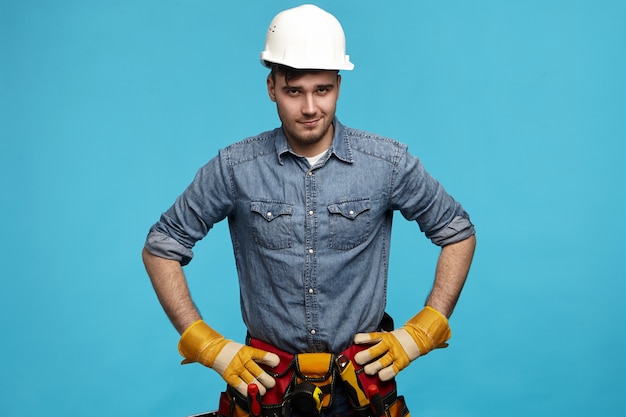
(204, 202)
(164, 246)
(421, 198)
(460, 228)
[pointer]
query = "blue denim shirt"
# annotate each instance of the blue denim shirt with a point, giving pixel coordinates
(311, 244)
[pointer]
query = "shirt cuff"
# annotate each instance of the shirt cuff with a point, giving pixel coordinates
(167, 247)
(460, 228)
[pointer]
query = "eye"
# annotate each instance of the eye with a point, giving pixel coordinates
(323, 89)
(293, 91)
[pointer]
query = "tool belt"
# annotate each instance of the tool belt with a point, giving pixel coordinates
(305, 386)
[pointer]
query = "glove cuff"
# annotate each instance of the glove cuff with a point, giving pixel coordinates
(434, 326)
(195, 341)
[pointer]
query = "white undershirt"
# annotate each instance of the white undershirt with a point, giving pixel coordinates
(313, 159)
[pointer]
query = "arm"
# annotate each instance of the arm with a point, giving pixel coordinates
(170, 285)
(452, 269)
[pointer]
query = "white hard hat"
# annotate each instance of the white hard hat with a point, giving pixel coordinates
(306, 37)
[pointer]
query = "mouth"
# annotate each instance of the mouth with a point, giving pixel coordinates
(309, 123)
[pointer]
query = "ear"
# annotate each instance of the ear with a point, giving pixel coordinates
(338, 85)
(271, 88)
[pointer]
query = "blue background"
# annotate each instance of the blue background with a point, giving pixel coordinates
(107, 109)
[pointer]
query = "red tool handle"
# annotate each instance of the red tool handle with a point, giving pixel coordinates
(376, 401)
(254, 400)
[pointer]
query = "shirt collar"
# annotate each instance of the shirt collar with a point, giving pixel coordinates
(340, 147)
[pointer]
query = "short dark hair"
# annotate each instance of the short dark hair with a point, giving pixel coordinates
(288, 72)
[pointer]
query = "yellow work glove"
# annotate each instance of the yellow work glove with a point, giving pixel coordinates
(236, 363)
(393, 351)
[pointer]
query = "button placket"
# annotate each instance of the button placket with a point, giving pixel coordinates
(310, 278)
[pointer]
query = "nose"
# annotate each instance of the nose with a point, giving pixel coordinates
(309, 106)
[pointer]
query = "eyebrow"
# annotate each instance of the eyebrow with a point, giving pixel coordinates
(296, 87)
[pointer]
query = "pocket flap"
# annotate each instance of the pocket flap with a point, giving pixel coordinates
(350, 209)
(270, 209)
(314, 366)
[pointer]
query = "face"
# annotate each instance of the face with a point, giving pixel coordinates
(306, 107)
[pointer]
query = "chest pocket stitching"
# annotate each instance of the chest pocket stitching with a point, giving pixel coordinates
(271, 210)
(354, 229)
(350, 209)
(272, 228)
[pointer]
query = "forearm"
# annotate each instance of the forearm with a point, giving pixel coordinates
(170, 285)
(452, 269)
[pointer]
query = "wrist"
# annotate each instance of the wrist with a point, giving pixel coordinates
(433, 325)
(198, 343)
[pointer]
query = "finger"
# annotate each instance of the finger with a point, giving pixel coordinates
(368, 355)
(266, 380)
(365, 338)
(387, 373)
(261, 356)
(268, 358)
(248, 379)
(373, 368)
(363, 357)
(260, 375)
(242, 387)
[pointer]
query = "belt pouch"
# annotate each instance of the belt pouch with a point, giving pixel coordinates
(397, 408)
(317, 369)
(228, 407)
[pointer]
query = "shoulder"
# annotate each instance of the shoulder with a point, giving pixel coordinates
(251, 147)
(375, 145)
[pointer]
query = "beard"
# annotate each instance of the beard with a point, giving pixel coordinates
(301, 137)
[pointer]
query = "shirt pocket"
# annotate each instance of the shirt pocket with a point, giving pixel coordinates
(349, 223)
(271, 224)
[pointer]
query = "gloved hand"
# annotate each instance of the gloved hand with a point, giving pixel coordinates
(236, 363)
(426, 331)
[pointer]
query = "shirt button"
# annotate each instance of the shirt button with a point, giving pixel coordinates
(309, 173)
(269, 214)
(312, 331)
(310, 212)
(311, 251)
(311, 291)
(351, 212)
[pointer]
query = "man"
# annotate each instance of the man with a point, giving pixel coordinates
(310, 208)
